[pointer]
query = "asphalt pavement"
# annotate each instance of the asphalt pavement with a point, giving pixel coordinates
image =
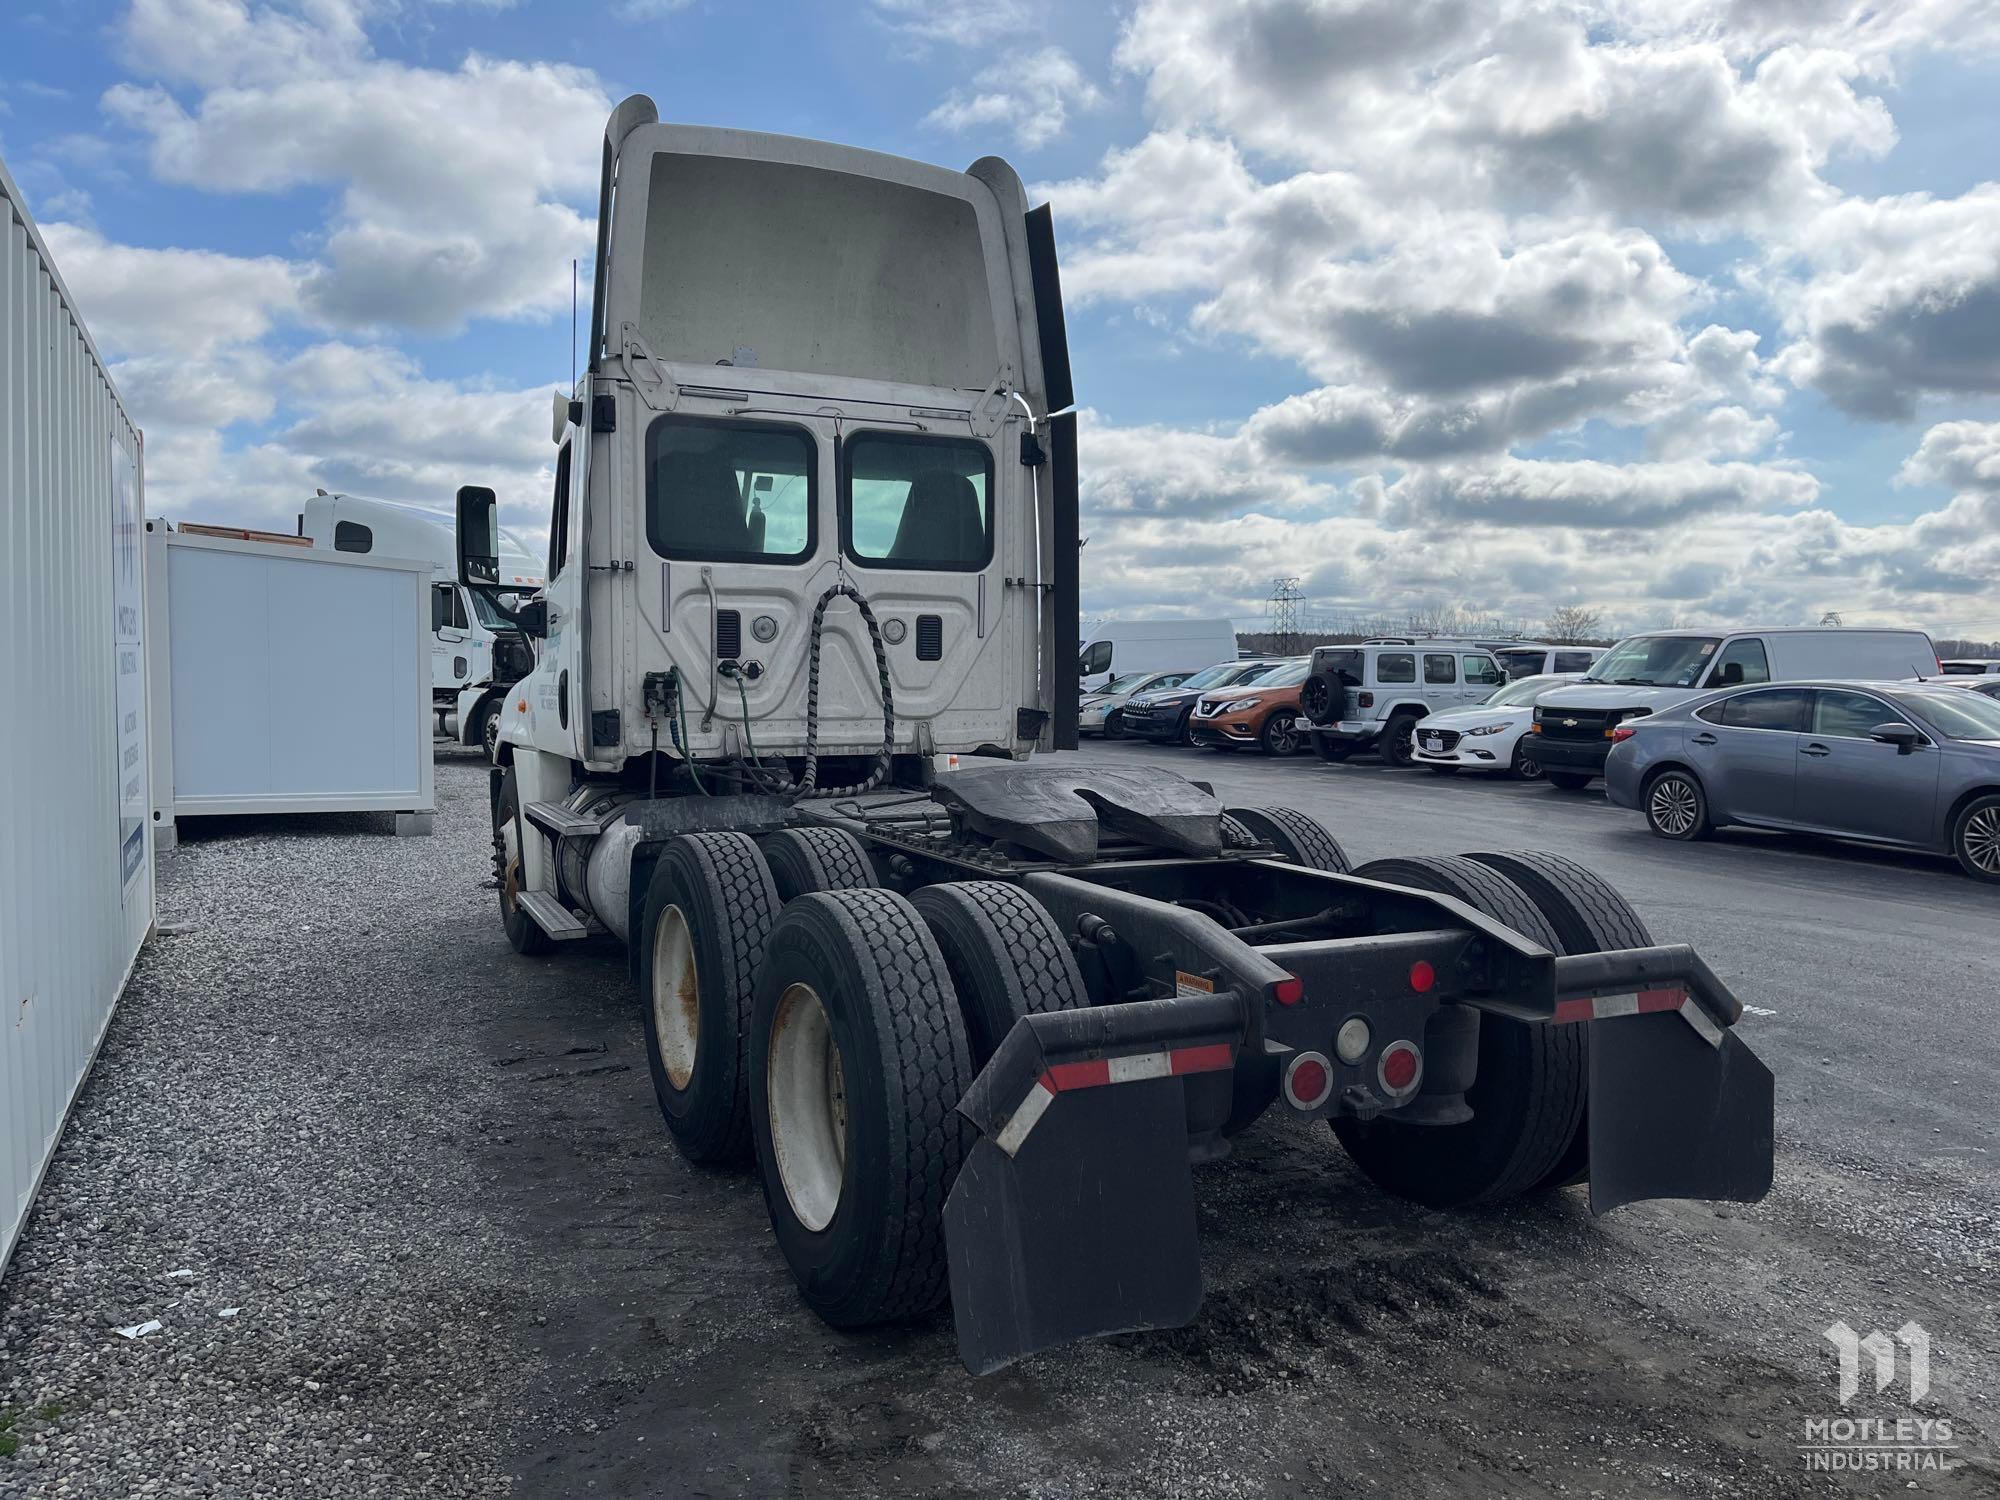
(1872, 973)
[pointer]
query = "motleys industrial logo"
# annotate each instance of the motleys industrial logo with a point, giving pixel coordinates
(1900, 1444)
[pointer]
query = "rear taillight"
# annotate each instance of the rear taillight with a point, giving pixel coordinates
(1289, 991)
(1364, 700)
(1400, 1067)
(1622, 732)
(1308, 1081)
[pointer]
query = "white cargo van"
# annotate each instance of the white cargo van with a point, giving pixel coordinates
(1643, 673)
(476, 655)
(1120, 646)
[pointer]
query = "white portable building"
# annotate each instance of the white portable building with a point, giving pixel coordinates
(287, 679)
(76, 868)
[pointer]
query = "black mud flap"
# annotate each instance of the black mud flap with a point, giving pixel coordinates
(1087, 1229)
(1672, 1116)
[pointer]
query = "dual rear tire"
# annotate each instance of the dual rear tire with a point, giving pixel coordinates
(798, 1013)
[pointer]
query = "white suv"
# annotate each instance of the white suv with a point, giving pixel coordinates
(1376, 693)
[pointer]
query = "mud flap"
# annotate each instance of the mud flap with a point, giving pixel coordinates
(1087, 1229)
(1673, 1115)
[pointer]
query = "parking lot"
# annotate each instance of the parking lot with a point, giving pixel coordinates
(429, 1176)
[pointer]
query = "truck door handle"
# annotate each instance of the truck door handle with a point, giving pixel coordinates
(1704, 738)
(1816, 751)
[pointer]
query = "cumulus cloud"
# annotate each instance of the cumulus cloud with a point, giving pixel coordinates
(1959, 455)
(1512, 101)
(1028, 97)
(1899, 299)
(184, 302)
(457, 189)
(1645, 543)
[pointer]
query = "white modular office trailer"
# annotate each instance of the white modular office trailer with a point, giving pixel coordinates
(287, 680)
(76, 869)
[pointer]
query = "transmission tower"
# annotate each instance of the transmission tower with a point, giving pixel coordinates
(1286, 596)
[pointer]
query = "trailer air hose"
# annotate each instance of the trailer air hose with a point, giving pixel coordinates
(776, 779)
(677, 728)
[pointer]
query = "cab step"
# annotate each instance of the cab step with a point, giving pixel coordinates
(549, 914)
(563, 823)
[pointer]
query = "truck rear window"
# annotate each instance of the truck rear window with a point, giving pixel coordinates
(916, 501)
(729, 491)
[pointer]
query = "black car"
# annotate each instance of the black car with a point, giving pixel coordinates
(1164, 715)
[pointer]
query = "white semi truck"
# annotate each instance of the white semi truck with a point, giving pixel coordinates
(812, 606)
(476, 653)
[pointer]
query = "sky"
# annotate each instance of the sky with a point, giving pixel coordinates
(1684, 311)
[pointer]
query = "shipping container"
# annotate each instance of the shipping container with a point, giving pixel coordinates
(76, 845)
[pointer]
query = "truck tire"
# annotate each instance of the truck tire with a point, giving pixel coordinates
(1332, 750)
(708, 914)
(1302, 839)
(482, 722)
(1005, 954)
(1588, 916)
(1527, 1097)
(816, 859)
(1395, 741)
(1570, 781)
(858, 1059)
(510, 830)
(489, 730)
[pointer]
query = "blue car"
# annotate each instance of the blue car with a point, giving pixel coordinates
(1915, 765)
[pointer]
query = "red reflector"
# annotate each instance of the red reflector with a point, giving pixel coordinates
(1399, 1066)
(1623, 732)
(1308, 1083)
(1289, 991)
(1422, 976)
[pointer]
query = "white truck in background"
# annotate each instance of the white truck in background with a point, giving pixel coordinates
(476, 655)
(1114, 647)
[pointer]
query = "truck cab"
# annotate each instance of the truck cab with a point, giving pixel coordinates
(809, 365)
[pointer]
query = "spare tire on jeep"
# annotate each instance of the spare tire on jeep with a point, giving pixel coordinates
(1324, 695)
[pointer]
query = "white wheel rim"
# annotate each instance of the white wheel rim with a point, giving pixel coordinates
(1982, 839)
(1673, 805)
(676, 996)
(808, 1107)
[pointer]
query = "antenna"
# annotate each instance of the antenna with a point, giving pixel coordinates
(572, 325)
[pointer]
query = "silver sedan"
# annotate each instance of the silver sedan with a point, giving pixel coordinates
(1914, 765)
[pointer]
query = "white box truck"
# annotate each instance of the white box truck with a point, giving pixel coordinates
(476, 654)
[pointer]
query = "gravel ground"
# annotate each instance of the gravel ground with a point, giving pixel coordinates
(266, 1161)
(431, 1177)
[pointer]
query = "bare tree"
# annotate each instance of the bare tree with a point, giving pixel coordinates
(1569, 623)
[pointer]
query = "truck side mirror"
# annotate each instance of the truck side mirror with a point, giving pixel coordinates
(533, 618)
(478, 536)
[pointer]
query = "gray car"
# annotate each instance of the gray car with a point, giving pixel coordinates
(1914, 765)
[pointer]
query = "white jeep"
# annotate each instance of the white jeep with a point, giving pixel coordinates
(1375, 693)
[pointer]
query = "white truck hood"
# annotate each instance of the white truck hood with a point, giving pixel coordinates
(1603, 695)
